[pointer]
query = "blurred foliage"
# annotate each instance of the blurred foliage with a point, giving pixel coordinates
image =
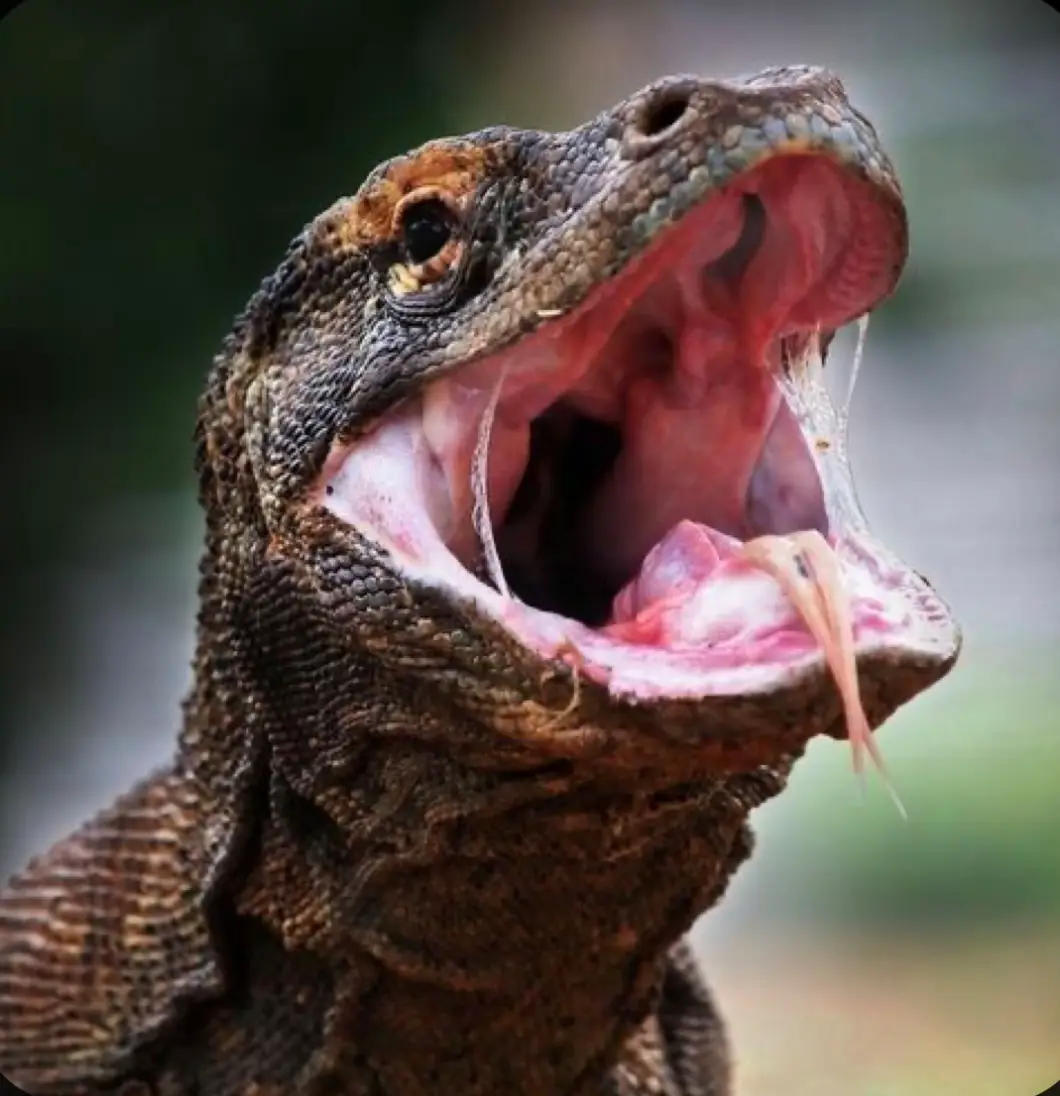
(157, 159)
(890, 1013)
(986, 249)
(977, 773)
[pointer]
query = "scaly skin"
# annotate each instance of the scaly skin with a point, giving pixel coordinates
(379, 862)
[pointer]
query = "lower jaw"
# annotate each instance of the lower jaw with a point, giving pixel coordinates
(726, 629)
(733, 632)
(723, 665)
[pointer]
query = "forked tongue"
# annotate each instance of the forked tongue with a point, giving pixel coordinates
(807, 569)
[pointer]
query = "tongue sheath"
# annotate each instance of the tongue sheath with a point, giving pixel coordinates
(806, 569)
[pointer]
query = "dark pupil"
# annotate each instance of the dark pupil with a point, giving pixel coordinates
(426, 229)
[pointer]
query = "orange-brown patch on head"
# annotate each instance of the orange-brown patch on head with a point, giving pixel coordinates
(439, 168)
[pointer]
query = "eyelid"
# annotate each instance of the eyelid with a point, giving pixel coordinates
(424, 194)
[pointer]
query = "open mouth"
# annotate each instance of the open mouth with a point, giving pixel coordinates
(650, 486)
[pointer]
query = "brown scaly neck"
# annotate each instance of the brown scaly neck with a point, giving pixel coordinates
(496, 926)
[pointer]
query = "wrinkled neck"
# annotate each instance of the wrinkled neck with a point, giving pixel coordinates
(490, 919)
(505, 934)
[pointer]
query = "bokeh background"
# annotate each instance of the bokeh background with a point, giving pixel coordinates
(155, 161)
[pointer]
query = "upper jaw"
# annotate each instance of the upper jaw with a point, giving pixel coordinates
(637, 187)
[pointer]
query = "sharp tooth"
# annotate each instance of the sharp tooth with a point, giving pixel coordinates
(807, 570)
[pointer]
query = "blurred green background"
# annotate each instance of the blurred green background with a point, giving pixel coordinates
(157, 159)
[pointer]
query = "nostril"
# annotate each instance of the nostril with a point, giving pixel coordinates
(663, 112)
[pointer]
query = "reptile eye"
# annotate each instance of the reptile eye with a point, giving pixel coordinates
(425, 245)
(426, 227)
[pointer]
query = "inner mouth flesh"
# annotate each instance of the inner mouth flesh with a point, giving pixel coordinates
(656, 483)
(542, 514)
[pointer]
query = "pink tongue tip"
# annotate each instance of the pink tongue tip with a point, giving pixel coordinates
(685, 557)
